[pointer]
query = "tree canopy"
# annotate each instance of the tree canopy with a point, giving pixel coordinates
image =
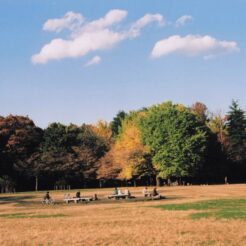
(236, 127)
(176, 138)
(162, 141)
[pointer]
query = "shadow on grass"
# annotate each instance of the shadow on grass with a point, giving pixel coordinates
(28, 201)
(219, 209)
(20, 200)
(30, 215)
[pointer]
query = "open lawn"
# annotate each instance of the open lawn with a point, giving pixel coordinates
(191, 215)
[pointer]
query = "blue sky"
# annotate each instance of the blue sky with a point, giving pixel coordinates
(127, 73)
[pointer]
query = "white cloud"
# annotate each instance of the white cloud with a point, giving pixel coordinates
(181, 21)
(111, 18)
(193, 45)
(99, 34)
(94, 61)
(86, 42)
(144, 21)
(69, 21)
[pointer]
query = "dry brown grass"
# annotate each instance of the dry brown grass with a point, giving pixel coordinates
(120, 223)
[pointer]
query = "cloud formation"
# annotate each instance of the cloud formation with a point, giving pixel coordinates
(94, 61)
(193, 45)
(181, 21)
(69, 21)
(86, 37)
(144, 21)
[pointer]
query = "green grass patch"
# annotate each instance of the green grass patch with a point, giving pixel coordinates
(219, 209)
(48, 216)
(29, 215)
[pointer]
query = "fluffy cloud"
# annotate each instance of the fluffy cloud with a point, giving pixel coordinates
(193, 45)
(96, 35)
(69, 21)
(94, 61)
(181, 21)
(144, 21)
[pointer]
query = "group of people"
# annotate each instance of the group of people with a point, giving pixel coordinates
(48, 200)
(77, 195)
(154, 194)
(117, 191)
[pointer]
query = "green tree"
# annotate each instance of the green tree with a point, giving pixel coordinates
(117, 123)
(177, 139)
(236, 128)
(67, 152)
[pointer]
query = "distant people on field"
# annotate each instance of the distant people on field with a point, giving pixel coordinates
(95, 198)
(127, 192)
(115, 191)
(146, 192)
(77, 194)
(47, 196)
(67, 196)
(120, 192)
(155, 194)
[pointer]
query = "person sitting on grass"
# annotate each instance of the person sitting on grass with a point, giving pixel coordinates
(115, 191)
(155, 194)
(77, 194)
(146, 193)
(120, 192)
(67, 196)
(128, 193)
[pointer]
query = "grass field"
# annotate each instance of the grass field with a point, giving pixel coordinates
(192, 215)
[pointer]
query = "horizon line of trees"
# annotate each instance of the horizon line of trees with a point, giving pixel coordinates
(153, 145)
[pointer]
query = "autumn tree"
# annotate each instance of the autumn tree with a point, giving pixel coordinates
(131, 153)
(200, 110)
(108, 168)
(217, 125)
(19, 138)
(128, 158)
(103, 130)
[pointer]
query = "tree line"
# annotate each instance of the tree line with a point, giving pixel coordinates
(153, 145)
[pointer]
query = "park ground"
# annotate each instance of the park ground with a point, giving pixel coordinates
(190, 215)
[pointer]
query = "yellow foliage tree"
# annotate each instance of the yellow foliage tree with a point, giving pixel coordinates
(130, 153)
(103, 130)
(128, 158)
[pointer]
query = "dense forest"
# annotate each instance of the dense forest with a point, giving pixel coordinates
(158, 145)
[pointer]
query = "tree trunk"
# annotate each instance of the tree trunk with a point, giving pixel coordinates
(36, 183)
(158, 181)
(100, 183)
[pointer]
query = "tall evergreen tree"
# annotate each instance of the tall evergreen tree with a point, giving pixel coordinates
(117, 123)
(236, 127)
